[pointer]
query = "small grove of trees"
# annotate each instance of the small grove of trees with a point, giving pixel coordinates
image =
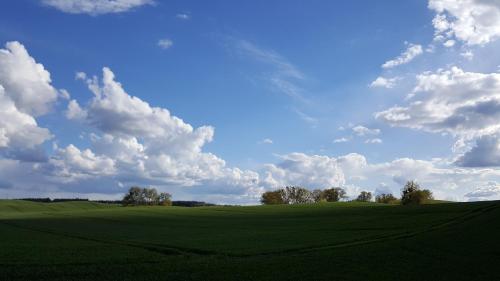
(412, 194)
(364, 196)
(386, 198)
(300, 195)
(146, 196)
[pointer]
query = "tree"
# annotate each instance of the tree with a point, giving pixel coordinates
(413, 195)
(318, 195)
(272, 198)
(150, 196)
(364, 196)
(385, 198)
(296, 195)
(133, 197)
(334, 194)
(165, 199)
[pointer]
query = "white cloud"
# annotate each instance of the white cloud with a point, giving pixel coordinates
(284, 77)
(452, 101)
(341, 140)
(306, 117)
(469, 55)
(25, 81)
(354, 173)
(96, 7)
(373, 141)
(74, 111)
(165, 43)
(25, 93)
(475, 22)
(305, 170)
(408, 55)
(266, 141)
(487, 192)
(485, 152)
(64, 94)
(149, 144)
(364, 131)
(383, 82)
(18, 130)
(183, 16)
(71, 163)
(449, 43)
(464, 104)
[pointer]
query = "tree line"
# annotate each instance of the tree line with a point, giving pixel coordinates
(411, 194)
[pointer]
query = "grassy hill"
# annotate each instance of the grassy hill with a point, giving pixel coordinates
(331, 241)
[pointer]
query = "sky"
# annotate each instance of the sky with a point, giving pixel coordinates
(220, 101)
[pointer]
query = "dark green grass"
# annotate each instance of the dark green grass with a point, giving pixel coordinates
(334, 241)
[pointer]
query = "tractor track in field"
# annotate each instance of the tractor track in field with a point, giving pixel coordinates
(170, 250)
(397, 236)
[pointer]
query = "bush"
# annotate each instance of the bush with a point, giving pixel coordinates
(413, 195)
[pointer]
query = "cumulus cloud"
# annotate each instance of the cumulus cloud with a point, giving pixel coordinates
(382, 82)
(463, 104)
(25, 93)
(354, 173)
(18, 130)
(74, 111)
(312, 171)
(96, 7)
(150, 144)
(485, 152)
(487, 192)
(25, 81)
(408, 55)
(452, 101)
(475, 22)
(165, 43)
(71, 163)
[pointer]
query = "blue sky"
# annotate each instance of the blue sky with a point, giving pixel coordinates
(235, 98)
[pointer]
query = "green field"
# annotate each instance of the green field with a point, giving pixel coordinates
(331, 241)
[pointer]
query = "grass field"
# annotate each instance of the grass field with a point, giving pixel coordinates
(331, 241)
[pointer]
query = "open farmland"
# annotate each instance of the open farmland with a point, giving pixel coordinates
(341, 241)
